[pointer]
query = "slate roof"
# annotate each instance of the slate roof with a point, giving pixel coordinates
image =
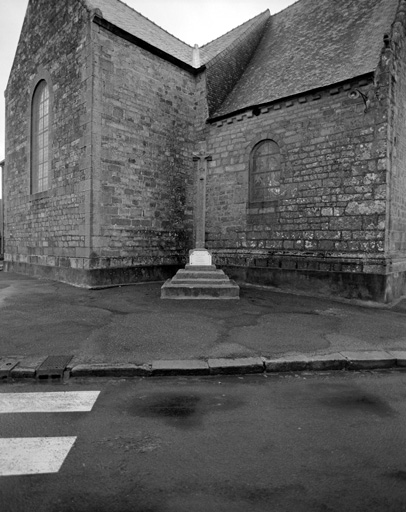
(121, 15)
(311, 44)
(212, 49)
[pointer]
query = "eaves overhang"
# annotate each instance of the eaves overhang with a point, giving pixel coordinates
(146, 46)
(258, 106)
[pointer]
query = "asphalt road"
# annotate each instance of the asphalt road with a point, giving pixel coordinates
(305, 442)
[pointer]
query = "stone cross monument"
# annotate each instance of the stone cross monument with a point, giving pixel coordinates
(200, 279)
(200, 255)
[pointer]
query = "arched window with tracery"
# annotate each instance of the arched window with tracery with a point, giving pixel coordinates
(265, 172)
(40, 138)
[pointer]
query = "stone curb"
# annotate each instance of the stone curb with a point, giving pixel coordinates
(179, 367)
(241, 365)
(26, 367)
(110, 370)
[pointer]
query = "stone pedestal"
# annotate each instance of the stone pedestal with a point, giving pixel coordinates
(200, 280)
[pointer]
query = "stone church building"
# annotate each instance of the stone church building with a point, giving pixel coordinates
(299, 119)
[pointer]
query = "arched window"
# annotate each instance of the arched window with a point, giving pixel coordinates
(265, 172)
(40, 160)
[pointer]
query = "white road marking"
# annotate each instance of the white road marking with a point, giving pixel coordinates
(33, 455)
(65, 401)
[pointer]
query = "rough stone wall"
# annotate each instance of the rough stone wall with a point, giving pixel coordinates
(48, 228)
(145, 113)
(394, 68)
(331, 212)
(1, 227)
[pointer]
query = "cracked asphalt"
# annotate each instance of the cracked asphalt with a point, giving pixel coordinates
(132, 323)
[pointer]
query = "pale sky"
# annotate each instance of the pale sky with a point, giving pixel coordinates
(192, 21)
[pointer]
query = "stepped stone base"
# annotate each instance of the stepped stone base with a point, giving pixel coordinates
(200, 282)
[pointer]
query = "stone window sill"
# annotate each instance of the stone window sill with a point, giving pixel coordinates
(263, 207)
(39, 195)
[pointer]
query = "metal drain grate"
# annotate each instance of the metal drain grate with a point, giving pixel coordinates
(53, 367)
(6, 365)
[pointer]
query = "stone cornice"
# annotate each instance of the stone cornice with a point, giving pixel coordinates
(289, 101)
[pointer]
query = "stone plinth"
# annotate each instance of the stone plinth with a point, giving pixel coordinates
(200, 282)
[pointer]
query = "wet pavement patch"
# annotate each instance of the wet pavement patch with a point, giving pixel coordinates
(175, 406)
(180, 409)
(223, 495)
(398, 475)
(356, 400)
(184, 410)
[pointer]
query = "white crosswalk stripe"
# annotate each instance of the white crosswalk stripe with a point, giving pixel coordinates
(66, 401)
(31, 455)
(35, 455)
